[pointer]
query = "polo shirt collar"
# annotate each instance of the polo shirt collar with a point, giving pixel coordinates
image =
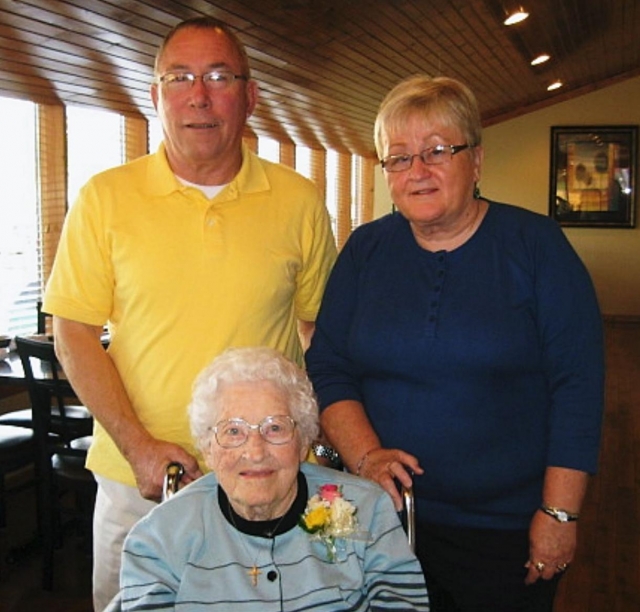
(250, 179)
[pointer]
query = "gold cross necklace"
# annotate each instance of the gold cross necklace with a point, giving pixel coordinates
(254, 572)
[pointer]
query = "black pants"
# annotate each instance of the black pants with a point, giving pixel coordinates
(480, 570)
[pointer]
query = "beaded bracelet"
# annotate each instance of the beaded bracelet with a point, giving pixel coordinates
(362, 460)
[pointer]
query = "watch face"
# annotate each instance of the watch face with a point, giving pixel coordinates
(561, 516)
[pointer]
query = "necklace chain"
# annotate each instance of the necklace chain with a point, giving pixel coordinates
(254, 572)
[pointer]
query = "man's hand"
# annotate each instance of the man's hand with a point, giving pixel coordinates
(149, 463)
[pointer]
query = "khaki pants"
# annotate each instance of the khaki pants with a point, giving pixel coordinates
(118, 508)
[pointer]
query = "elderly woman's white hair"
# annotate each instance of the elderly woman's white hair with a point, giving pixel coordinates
(252, 364)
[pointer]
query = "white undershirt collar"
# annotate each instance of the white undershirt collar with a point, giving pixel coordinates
(210, 191)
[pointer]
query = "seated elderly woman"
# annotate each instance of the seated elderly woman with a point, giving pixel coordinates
(266, 530)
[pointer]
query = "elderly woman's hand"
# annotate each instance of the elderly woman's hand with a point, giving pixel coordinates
(388, 467)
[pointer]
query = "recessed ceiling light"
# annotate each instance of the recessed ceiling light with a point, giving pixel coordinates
(541, 59)
(516, 17)
(555, 85)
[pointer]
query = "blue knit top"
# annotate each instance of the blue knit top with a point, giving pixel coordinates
(486, 362)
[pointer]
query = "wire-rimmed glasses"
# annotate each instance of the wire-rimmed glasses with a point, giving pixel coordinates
(214, 80)
(432, 156)
(231, 433)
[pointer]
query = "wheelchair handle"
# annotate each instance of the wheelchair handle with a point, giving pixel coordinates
(410, 512)
(172, 477)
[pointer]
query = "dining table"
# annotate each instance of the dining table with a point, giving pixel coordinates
(11, 370)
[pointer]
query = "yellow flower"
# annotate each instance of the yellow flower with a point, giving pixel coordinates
(316, 518)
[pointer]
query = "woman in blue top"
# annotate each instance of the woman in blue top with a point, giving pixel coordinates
(459, 348)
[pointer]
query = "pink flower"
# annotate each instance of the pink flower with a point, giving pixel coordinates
(329, 492)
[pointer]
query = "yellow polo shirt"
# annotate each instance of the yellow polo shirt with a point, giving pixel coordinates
(179, 278)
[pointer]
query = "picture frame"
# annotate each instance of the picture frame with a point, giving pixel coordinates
(593, 175)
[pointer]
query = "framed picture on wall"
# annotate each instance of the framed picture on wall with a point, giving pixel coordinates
(593, 175)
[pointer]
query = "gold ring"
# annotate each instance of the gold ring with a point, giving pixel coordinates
(539, 566)
(562, 567)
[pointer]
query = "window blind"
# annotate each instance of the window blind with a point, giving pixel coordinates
(343, 198)
(52, 192)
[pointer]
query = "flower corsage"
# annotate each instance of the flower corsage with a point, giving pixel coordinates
(330, 518)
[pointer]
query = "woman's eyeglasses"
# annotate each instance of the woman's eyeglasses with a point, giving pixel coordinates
(231, 433)
(433, 156)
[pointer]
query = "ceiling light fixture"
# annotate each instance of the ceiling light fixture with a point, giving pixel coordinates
(541, 59)
(555, 85)
(516, 17)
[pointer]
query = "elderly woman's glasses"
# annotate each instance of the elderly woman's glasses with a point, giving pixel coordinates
(231, 433)
(433, 156)
(214, 80)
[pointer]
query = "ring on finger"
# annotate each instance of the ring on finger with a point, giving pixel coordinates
(561, 567)
(539, 566)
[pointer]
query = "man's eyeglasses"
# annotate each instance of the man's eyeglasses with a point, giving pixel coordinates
(214, 80)
(433, 156)
(231, 433)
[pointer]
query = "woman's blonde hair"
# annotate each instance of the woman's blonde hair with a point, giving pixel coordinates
(452, 102)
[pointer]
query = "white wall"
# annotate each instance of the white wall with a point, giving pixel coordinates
(516, 170)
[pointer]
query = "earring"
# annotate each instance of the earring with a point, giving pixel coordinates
(476, 192)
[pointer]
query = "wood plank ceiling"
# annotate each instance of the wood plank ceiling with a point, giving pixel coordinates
(324, 65)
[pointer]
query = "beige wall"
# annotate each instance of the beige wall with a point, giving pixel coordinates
(382, 199)
(516, 170)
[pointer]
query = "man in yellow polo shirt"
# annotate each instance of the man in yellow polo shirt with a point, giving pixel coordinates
(185, 252)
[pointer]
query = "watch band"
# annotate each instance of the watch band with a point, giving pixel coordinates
(562, 516)
(321, 450)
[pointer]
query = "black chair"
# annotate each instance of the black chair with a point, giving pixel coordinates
(44, 319)
(18, 418)
(63, 435)
(23, 417)
(17, 451)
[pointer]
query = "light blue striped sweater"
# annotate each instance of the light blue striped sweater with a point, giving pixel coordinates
(185, 555)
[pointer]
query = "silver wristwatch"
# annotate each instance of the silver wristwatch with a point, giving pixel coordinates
(322, 450)
(562, 516)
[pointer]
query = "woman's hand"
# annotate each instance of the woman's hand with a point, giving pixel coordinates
(552, 547)
(388, 467)
(349, 431)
